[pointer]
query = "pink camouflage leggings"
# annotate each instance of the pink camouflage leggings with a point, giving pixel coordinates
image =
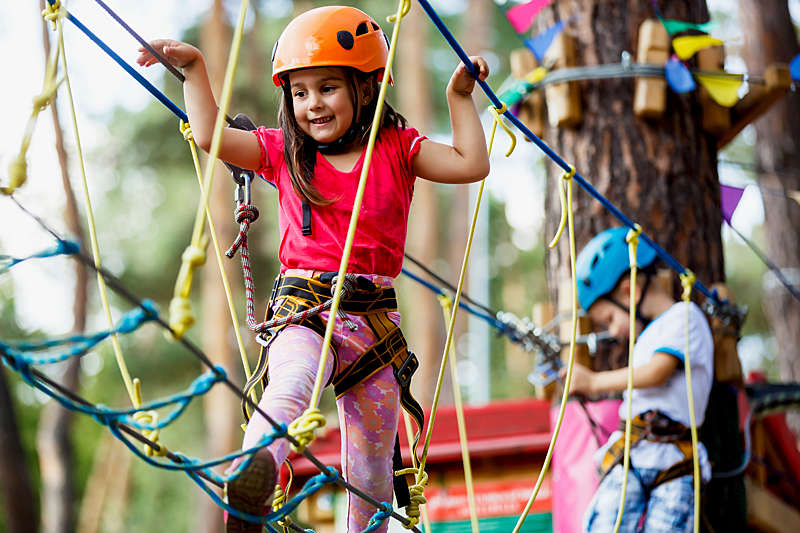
(368, 413)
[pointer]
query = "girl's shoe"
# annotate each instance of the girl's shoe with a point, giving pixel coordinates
(252, 493)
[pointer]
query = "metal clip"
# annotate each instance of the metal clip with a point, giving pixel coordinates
(242, 192)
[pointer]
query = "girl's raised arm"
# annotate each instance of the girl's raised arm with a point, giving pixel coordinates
(237, 147)
(466, 160)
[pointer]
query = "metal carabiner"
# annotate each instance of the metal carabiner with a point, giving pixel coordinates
(242, 192)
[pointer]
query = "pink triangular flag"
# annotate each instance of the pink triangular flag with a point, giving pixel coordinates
(521, 16)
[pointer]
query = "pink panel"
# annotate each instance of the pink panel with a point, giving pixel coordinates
(574, 473)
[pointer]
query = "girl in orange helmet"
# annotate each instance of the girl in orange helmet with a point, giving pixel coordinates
(328, 63)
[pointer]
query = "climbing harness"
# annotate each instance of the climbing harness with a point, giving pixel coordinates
(653, 426)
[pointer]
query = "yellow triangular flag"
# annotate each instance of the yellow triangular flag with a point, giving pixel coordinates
(688, 45)
(724, 90)
(536, 75)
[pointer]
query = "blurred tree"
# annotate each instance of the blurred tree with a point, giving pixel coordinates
(770, 38)
(54, 437)
(19, 499)
(422, 321)
(220, 405)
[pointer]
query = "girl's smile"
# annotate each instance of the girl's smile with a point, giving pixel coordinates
(323, 102)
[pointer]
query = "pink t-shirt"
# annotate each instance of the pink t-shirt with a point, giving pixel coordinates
(380, 236)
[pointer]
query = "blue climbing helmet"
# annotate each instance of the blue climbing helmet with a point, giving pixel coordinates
(604, 260)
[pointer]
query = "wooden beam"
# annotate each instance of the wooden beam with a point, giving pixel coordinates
(768, 513)
(778, 81)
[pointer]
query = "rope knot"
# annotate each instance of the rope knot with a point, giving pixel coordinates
(303, 428)
(194, 256)
(53, 12)
(246, 214)
(149, 419)
(566, 203)
(404, 9)
(417, 493)
(17, 173)
(186, 131)
(687, 282)
(384, 512)
(632, 238)
(181, 317)
(497, 112)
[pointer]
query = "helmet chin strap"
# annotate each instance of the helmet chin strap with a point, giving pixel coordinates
(639, 316)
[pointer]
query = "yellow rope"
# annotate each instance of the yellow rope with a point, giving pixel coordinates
(18, 169)
(420, 474)
(447, 309)
(180, 304)
(418, 506)
(687, 281)
(566, 214)
(91, 222)
(632, 238)
(303, 428)
(147, 417)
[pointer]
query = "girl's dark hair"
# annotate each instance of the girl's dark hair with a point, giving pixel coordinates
(300, 149)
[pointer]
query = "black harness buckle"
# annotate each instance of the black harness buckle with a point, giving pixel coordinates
(405, 371)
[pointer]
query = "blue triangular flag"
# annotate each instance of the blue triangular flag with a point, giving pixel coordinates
(539, 44)
(794, 68)
(678, 76)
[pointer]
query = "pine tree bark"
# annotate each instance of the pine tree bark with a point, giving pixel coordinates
(661, 173)
(771, 38)
(53, 437)
(220, 406)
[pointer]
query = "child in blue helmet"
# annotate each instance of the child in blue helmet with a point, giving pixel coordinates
(659, 492)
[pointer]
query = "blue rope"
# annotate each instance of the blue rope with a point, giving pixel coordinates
(438, 290)
(671, 261)
(379, 518)
(128, 323)
(107, 416)
(61, 248)
(129, 69)
(312, 486)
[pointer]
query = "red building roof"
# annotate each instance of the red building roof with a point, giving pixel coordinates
(504, 428)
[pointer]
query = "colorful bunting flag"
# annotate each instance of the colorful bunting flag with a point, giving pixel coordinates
(539, 44)
(521, 15)
(678, 26)
(729, 200)
(689, 45)
(794, 68)
(723, 89)
(678, 76)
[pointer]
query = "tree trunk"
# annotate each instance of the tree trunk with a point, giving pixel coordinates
(55, 424)
(16, 491)
(422, 322)
(771, 38)
(220, 406)
(661, 173)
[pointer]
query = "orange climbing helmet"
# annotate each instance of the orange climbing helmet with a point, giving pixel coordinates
(330, 36)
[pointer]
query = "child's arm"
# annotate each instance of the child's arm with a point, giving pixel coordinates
(466, 160)
(237, 147)
(651, 374)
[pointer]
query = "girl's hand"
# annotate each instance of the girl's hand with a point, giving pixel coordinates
(177, 53)
(462, 82)
(582, 379)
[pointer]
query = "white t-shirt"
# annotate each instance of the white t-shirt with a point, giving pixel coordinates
(667, 334)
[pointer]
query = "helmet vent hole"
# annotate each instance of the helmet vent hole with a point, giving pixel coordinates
(375, 27)
(361, 29)
(345, 39)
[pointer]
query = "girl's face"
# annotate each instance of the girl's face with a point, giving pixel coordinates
(322, 100)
